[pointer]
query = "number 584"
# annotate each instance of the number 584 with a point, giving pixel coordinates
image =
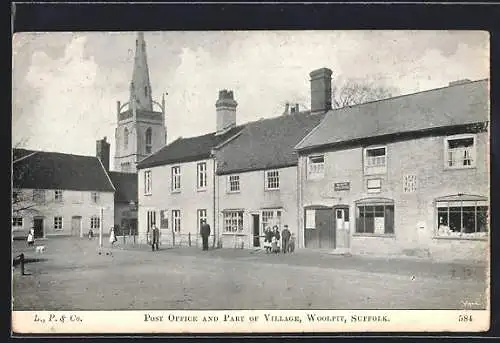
(465, 318)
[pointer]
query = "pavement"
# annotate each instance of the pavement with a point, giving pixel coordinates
(75, 274)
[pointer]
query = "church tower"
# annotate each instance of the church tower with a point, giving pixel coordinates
(140, 130)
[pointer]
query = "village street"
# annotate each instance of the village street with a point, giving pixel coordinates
(71, 275)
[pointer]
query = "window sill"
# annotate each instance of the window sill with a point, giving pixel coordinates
(234, 234)
(271, 189)
(315, 178)
(201, 189)
(176, 191)
(459, 168)
(458, 238)
(358, 234)
(233, 192)
(148, 194)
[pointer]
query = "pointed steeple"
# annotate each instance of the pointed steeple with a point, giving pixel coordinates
(140, 86)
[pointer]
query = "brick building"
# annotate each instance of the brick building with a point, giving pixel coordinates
(405, 176)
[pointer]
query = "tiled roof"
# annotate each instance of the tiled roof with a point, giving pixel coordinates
(460, 104)
(267, 143)
(125, 185)
(187, 149)
(53, 170)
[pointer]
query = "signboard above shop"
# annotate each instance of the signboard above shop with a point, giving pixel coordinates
(341, 186)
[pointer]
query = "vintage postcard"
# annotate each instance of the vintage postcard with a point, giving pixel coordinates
(237, 181)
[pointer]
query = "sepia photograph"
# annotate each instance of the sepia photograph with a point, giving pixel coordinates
(250, 181)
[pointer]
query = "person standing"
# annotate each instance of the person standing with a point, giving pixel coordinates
(155, 239)
(285, 234)
(205, 233)
(268, 237)
(112, 236)
(31, 238)
(277, 236)
(291, 244)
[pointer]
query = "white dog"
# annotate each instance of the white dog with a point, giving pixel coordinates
(40, 249)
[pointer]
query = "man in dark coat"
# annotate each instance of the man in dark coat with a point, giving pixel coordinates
(205, 233)
(285, 235)
(155, 238)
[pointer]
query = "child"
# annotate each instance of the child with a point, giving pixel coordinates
(291, 244)
(274, 245)
(31, 238)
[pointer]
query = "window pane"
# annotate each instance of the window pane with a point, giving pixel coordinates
(482, 219)
(455, 219)
(442, 216)
(389, 219)
(379, 211)
(460, 143)
(375, 152)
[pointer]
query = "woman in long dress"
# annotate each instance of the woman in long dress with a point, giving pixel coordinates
(112, 236)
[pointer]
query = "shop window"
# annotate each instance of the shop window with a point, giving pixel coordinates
(462, 216)
(375, 216)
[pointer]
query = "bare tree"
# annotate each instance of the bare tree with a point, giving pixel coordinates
(23, 201)
(354, 92)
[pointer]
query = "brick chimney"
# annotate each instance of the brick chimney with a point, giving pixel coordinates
(226, 111)
(102, 152)
(321, 90)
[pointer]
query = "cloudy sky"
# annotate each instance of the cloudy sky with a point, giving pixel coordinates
(65, 85)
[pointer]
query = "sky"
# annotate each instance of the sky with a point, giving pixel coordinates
(66, 85)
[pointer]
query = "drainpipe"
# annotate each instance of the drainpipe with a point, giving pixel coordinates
(299, 204)
(214, 161)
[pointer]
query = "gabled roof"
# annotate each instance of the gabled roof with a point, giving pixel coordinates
(267, 143)
(460, 104)
(125, 185)
(187, 149)
(53, 170)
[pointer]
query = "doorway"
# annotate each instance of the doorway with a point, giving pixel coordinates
(38, 227)
(76, 226)
(319, 228)
(256, 230)
(341, 226)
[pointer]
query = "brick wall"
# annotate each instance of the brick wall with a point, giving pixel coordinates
(415, 214)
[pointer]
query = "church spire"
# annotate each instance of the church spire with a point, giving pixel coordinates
(140, 86)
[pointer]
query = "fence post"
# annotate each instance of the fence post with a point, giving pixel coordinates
(189, 238)
(173, 238)
(21, 260)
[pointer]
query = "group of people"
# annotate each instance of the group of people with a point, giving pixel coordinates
(274, 242)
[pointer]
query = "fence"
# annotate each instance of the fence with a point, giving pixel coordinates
(171, 239)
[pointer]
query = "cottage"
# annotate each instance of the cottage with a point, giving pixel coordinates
(402, 176)
(59, 194)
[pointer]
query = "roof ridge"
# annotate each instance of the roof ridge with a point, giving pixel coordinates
(410, 94)
(55, 152)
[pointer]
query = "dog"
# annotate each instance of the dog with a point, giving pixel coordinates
(40, 249)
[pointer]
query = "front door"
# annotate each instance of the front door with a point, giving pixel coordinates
(342, 227)
(324, 225)
(76, 226)
(38, 227)
(256, 230)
